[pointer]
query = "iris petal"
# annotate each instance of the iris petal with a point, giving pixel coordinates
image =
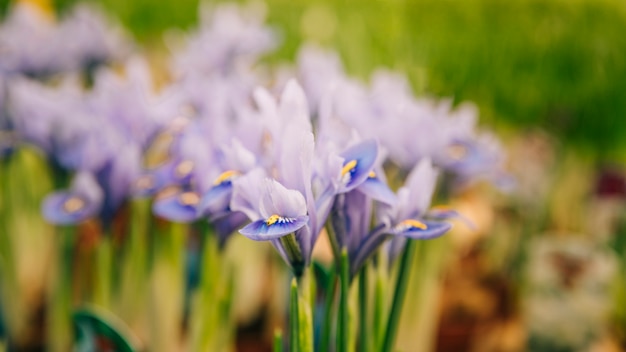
(176, 207)
(216, 200)
(55, 208)
(374, 188)
(443, 213)
(261, 231)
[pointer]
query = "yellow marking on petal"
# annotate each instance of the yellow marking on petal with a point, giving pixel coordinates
(159, 150)
(266, 140)
(226, 176)
(145, 182)
(189, 198)
(184, 168)
(73, 204)
(272, 220)
(457, 151)
(178, 124)
(348, 167)
(372, 174)
(414, 223)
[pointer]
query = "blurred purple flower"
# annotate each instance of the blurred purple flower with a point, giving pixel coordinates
(229, 36)
(32, 43)
(82, 201)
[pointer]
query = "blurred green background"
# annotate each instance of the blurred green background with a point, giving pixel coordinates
(559, 64)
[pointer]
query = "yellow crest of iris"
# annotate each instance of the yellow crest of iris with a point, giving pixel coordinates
(348, 167)
(272, 220)
(414, 223)
(225, 176)
(73, 204)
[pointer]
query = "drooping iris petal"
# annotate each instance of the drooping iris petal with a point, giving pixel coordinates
(151, 182)
(443, 213)
(274, 227)
(420, 230)
(82, 201)
(228, 224)
(182, 172)
(216, 200)
(179, 206)
(358, 163)
(374, 188)
(64, 208)
(368, 246)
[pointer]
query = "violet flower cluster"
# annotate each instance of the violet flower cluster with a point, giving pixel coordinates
(280, 162)
(229, 150)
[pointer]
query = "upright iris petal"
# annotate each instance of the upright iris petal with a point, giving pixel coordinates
(359, 161)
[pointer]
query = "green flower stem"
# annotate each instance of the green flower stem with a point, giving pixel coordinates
(134, 272)
(278, 341)
(103, 268)
(59, 314)
(8, 279)
(294, 253)
(306, 296)
(379, 307)
(328, 314)
(211, 320)
(398, 298)
(167, 287)
(344, 278)
(364, 335)
(294, 330)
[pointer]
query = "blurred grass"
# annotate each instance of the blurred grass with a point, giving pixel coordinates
(553, 63)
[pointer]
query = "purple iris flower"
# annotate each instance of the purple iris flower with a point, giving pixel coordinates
(282, 218)
(182, 176)
(203, 173)
(36, 110)
(117, 178)
(229, 36)
(407, 218)
(28, 39)
(35, 45)
(350, 216)
(233, 160)
(291, 199)
(88, 38)
(475, 158)
(284, 211)
(176, 204)
(319, 72)
(83, 200)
